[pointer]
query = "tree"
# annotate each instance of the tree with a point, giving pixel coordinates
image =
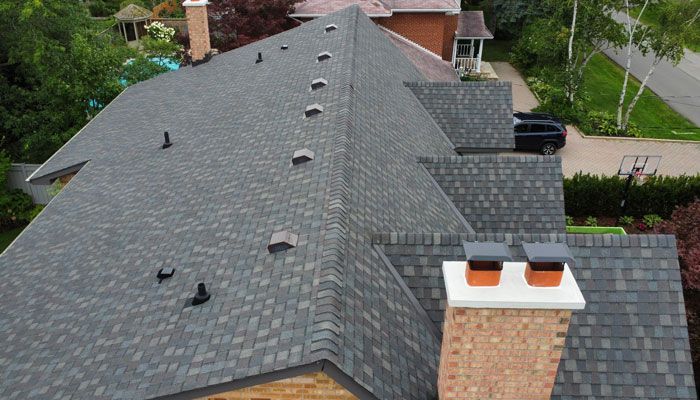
(685, 224)
(141, 69)
(564, 41)
(56, 71)
(592, 30)
(235, 23)
(667, 41)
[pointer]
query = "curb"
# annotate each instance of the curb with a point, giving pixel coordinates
(652, 140)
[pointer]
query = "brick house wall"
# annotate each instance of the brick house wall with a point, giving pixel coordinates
(500, 353)
(434, 31)
(314, 386)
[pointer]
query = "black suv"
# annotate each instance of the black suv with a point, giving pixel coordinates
(538, 131)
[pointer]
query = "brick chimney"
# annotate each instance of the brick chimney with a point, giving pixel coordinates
(504, 341)
(198, 28)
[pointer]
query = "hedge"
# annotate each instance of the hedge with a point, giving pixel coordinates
(600, 196)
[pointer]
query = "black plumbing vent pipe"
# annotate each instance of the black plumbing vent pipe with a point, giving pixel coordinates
(202, 296)
(259, 60)
(167, 143)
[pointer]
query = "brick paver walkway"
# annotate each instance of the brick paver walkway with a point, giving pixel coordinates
(603, 155)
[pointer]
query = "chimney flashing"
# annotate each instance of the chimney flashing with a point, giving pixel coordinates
(513, 290)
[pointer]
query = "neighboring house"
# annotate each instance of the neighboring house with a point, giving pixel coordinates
(439, 26)
(313, 183)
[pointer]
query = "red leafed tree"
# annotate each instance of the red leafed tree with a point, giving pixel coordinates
(685, 224)
(236, 23)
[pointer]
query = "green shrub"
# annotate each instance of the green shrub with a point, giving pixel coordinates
(16, 208)
(601, 195)
(605, 124)
(651, 220)
(626, 220)
(591, 221)
(569, 221)
(100, 9)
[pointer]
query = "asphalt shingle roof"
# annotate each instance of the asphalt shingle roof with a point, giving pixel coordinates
(88, 319)
(631, 340)
(508, 194)
(476, 116)
(85, 316)
(470, 24)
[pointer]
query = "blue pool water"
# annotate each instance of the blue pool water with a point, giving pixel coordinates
(169, 63)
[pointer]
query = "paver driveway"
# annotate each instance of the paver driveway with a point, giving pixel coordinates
(603, 155)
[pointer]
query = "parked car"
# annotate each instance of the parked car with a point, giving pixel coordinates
(538, 131)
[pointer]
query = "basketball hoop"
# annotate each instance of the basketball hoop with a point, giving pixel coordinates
(636, 167)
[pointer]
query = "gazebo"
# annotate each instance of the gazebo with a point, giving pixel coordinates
(132, 21)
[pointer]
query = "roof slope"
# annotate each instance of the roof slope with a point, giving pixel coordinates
(87, 316)
(470, 24)
(428, 63)
(476, 116)
(506, 194)
(631, 341)
(373, 8)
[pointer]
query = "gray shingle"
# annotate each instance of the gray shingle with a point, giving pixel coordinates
(476, 116)
(631, 340)
(515, 194)
(87, 314)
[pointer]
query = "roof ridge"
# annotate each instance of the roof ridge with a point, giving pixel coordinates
(578, 240)
(327, 328)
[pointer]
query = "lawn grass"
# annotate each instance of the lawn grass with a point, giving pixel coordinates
(655, 119)
(651, 17)
(7, 237)
(497, 50)
(596, 230)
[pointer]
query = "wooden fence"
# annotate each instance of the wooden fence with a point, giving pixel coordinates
(17, 179)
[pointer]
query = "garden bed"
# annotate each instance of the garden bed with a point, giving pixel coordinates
(615, 230)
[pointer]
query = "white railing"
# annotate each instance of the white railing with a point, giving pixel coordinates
(467, 64)
(464, 50)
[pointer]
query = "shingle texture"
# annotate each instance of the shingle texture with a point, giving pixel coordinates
(86, 317)
(631, 340)
(382, 8)
(470, 24)
(507, 194)
(476, 116)
(431, 66)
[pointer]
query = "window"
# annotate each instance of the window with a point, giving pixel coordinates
(552, 128)
(522, 128)
(538, 128)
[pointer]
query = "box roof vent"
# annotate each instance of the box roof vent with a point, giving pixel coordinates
(324, 56)
(312, 110)
(284, 47)
(548, 253)
(487, 251)
(302, 156)
(331, 27)
(318, 83)
(281, 241)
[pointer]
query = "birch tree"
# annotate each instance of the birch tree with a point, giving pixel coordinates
(592, 30)
(665, 42)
